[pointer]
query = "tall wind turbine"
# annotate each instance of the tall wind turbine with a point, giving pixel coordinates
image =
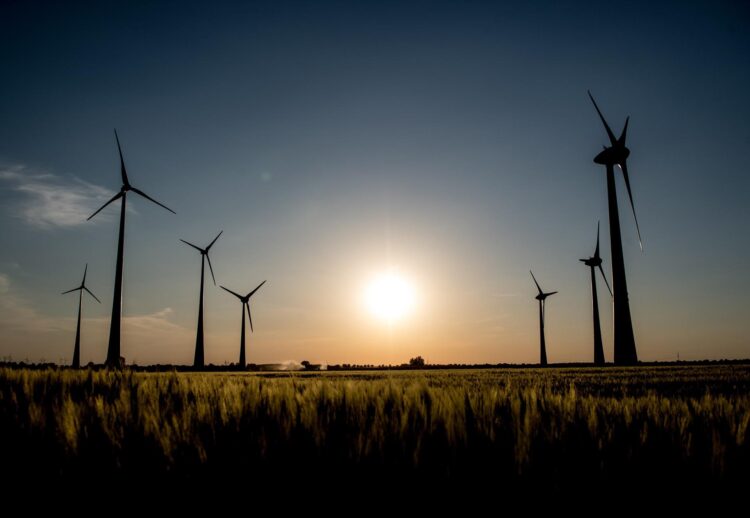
(80, 289)
(593, 263)
(198, 362)
(245, 304)
(113, 349)
(617, 154)
(541, 297)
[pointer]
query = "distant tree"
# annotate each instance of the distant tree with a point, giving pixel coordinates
(417, 362)
(305, 364)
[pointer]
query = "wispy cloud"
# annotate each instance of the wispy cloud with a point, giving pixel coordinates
(157, 321)
(17, 314)
(49, 200)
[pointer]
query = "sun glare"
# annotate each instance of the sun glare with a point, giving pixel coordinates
(389, 297)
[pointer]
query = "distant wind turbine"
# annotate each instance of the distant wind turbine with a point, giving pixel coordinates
(198, 362)
(617, 154)
(113, 349)
(593, 263)
(80, 289)
(245, 304)
(541, 297)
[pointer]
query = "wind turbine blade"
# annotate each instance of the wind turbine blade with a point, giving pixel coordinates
(70, 291)
(214, 241)
(550, 293)
(605, 280)
(624, 133)
(211, 268)
(256, 289)
(115, 197)
(537, 284)
(84, 274)
(612, 139)
(123, 172)
(230, 291)
(247, 305)
(89, 292)
(138, 191)
(624, 167)
(596, 252)
(191, 244)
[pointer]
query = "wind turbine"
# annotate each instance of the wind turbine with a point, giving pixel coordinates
(245, 304)
(80, 289)
(617, 154)
(198, 362)
(593, 263)
(541, 297)
(113, 349)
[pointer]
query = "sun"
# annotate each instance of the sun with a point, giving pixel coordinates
(389, 297)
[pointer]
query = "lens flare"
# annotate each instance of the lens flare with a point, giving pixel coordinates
(389, 297)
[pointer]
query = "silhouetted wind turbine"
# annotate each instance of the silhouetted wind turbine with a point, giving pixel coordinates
(541, 297)
(80, 289)
(245, 304)
(113, 349)
(617, 154)
(198, 362)
(594, 263)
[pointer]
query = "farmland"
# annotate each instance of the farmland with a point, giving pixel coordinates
(595, 429)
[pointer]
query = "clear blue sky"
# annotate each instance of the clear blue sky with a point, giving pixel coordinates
(450, 141)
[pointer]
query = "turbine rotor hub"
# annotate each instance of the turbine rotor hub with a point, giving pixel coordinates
(614, 155)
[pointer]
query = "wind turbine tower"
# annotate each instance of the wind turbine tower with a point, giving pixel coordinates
(113, 348)
(616, 155)
(541, 297)
(245, 305)
(593, 263)
(199, 360)
(80, 289)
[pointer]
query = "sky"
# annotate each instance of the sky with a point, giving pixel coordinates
(448, 142)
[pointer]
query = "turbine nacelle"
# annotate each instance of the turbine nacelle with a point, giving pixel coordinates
(126, 186)
(592, 261)
(617, 153)
(541, 295)
(595, 261)
(83, 287)
(614, 155)
(204, 253)
(245, 299)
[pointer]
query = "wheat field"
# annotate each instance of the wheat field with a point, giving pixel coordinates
(563, 428)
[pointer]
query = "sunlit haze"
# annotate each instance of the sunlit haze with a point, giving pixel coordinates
(389, 297)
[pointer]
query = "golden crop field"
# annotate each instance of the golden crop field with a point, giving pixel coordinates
(566, 427)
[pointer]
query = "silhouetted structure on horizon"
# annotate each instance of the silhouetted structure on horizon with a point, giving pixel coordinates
(113, 349)
(199, 360)
(617, 154)
(593, 263)
(245, 304)
(80, 289)
(541, 298)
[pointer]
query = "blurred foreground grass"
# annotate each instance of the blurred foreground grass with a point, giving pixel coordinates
(644, 426)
